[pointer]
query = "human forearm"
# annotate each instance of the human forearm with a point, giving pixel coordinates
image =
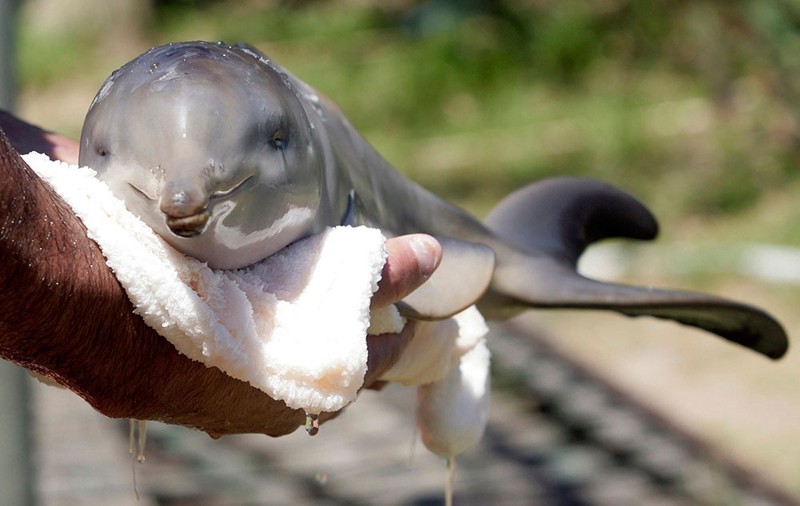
(65, 316)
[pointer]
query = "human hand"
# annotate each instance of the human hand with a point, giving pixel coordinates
(26, 138)
(64, 315)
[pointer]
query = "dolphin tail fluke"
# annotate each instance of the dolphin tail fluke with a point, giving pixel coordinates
(549, 224)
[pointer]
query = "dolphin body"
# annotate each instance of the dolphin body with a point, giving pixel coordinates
(229, 157)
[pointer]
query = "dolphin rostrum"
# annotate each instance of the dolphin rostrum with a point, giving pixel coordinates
(230, 157)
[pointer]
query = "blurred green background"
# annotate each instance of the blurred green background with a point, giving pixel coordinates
(692, 105)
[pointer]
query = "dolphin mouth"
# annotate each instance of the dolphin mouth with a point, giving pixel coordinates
(241, 185)
(189, 226)
(184, 221)
(141, 192)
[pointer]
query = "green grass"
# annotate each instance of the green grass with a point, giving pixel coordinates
(40, 68)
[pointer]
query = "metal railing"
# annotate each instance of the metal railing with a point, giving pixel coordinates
(16, 471)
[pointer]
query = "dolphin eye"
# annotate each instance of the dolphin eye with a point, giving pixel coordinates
(278, 140)
(102, 151)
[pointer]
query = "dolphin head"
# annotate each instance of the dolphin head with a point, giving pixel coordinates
(211, 147)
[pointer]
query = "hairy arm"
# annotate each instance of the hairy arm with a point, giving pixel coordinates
(64, 315)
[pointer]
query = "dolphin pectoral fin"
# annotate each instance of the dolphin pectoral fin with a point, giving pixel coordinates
(463, 276)
(548, 225)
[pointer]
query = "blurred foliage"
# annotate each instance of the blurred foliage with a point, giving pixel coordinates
(694, 105)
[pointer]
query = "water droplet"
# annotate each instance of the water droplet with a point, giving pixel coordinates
(137, 441)
(312, 424)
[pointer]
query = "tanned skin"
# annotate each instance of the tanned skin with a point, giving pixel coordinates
(64, 315)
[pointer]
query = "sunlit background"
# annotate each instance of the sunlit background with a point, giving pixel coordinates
(692, 105)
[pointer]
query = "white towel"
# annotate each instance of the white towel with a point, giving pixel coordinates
(293, 325)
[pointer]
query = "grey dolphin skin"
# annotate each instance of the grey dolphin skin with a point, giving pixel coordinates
(230, 157)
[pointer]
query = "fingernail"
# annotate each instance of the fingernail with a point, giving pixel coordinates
(428, 252)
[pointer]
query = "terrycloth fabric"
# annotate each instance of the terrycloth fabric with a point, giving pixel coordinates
(437, 347)
(450, 363)
(293, 325)
(452, 412)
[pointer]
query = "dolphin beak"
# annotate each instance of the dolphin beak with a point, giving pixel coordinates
(186, 211)
(186, 204)
(189, 226)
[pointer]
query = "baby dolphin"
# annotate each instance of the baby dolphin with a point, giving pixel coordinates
(229, 157)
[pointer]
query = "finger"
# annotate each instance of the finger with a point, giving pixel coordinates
(62, 148)
(411, 261)
(378, 385)
(384, 351)
(26, 138)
